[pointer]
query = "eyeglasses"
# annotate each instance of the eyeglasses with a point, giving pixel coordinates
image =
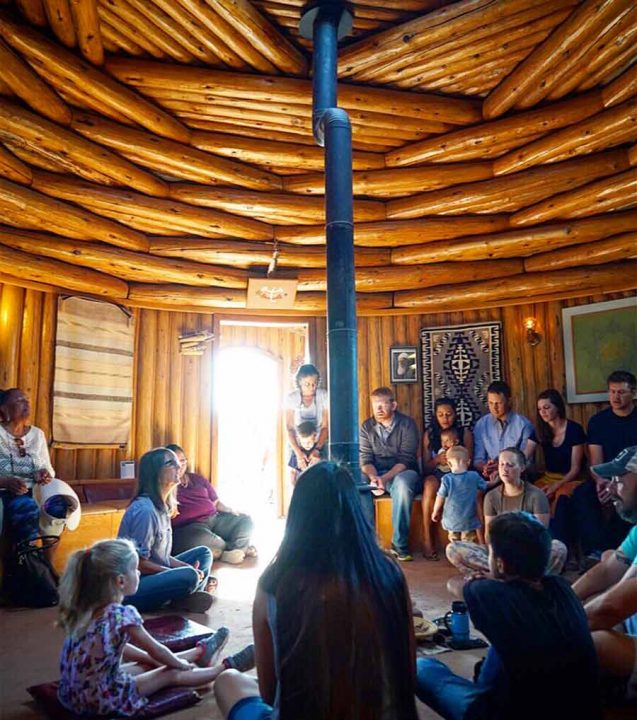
(20, 445)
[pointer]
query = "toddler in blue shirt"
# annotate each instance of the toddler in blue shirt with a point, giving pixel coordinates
(456, 499)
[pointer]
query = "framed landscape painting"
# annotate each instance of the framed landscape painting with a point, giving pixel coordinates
(598, 339)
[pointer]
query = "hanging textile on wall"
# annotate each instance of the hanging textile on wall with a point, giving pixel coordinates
(93, 385)
(460, 362)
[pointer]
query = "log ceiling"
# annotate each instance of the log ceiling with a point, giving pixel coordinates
(158, 152)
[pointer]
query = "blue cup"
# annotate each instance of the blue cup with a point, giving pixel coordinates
(457, 620)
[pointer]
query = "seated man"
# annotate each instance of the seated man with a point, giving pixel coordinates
(541, 663)
(204, 520)
(609, 589)
(388, 456)
(500, 428)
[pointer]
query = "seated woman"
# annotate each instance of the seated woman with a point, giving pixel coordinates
(514, 494)
(434, 459)
(332, 618)
(204, 520)
(562, 442)
(24, 462)
(181, 580)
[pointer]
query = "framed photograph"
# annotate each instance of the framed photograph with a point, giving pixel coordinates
(403, 364)
(598, 339)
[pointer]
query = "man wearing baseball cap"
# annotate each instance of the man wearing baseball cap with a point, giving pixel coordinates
(609, 590)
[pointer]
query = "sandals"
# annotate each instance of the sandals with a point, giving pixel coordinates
(432, 556)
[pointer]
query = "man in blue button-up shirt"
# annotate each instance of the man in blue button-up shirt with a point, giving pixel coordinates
(499, 429)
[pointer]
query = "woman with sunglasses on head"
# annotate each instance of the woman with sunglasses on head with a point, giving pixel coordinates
(24, 462)
(183, 580)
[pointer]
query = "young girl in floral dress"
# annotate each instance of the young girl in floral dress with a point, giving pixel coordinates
(101, 633)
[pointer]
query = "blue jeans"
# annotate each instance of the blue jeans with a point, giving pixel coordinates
(452, 696)
(403, 488)
(157, 590)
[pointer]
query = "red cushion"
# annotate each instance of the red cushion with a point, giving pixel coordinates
(176, 632)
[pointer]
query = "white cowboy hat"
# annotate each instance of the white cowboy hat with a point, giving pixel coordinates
(44, 493)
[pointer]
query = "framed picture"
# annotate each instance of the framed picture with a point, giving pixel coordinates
(598, 339)
(403, 364)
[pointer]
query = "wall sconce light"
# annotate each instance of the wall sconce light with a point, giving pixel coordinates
(533, 337)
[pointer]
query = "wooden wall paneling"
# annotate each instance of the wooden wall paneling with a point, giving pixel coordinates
(28, 378)
(165, 343)
(145, 381)
(204, 446)
(189, 393)
(11, 310)
(43, 400)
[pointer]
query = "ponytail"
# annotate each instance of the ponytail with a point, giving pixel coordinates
(89, 582)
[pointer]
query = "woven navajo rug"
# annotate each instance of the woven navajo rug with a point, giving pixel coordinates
(93, 386)
(460, 362)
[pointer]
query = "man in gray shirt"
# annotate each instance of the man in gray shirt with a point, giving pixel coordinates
(388, 456)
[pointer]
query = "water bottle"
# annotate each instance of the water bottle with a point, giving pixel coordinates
(457, 621)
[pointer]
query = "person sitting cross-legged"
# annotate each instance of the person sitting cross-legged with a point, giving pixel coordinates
(204, 520)
(538, 634)
(388, 456)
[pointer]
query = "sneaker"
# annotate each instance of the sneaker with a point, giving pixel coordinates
(197, 602)
(242, 661)
(212, 646)
(401, 555)
(233, 557)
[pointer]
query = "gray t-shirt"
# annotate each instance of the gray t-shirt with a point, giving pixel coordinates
(149, 529)
(532, 500)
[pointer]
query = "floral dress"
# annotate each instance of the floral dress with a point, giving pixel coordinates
(91, 681)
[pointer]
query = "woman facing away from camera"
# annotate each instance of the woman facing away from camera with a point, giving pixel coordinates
(331, 618)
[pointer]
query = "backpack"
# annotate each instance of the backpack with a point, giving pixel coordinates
(30, 579)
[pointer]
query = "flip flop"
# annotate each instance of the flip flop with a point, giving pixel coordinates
(424, 628)
(434, 557)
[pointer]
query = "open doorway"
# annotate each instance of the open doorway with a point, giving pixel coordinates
(247, 397)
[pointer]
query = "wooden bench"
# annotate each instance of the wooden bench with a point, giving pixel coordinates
(104, 502)
(385, 528)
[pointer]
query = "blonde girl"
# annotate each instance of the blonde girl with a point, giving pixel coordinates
(101, 633)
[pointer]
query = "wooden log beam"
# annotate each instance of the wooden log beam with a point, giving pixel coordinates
(58, 14)
(512, 192)
(70, 277)
(277, 208)
(519, 289)
(78, 155)
(33, 11)
(40, 51)
(622, 88)
(126, 265)
(276, 154)
(611, 70)
(170, 157)
(27, 85)
(399, 182)
(172, 216)
(479, 141)
(615, 248)
(36, 160)
(46, 213)
(14, 169)
(249, 254)
(250, 23)
(617, 192)
(615, 126)
(116, 41)
(518, 243)
(450, 21)
(134, 30)
(184, 47)
(400, 232)
(87, 28)
(405, 277)
(526, 84)
(482, 36)
(146, 73)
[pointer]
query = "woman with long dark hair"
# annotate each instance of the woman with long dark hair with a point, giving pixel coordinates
(180, 580)
(434, 460)
(332, 618)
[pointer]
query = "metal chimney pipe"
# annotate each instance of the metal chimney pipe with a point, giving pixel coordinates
(325, 22)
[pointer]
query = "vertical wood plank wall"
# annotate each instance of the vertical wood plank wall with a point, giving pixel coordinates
(173, 393)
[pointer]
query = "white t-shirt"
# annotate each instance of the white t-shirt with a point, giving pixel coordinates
(312, 413)
(36, 455)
